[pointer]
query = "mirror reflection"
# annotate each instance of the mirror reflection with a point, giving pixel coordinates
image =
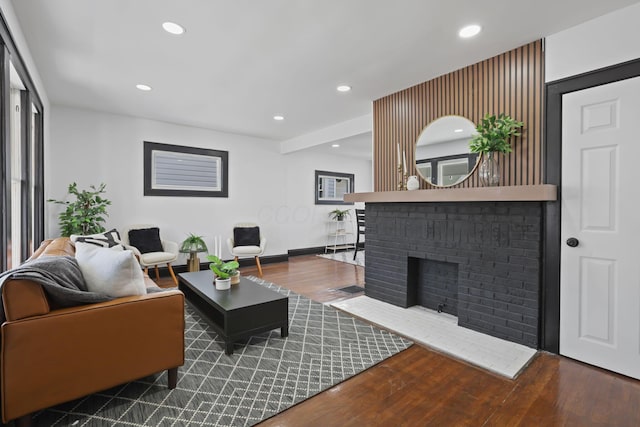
(442, 153)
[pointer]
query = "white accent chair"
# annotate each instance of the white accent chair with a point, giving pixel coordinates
(250, 250)
(167, 256)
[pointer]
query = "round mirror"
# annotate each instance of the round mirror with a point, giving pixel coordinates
(442, 156)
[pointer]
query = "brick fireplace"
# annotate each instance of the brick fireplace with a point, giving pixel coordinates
(480, 261)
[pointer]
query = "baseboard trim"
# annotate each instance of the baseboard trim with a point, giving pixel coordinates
(306, 251)
(244, 262)
(269, 259)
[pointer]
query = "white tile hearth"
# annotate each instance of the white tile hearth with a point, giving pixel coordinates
(441, 332)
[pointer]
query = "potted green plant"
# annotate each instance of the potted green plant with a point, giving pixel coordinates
(338, 214)
(494, 134)
(223, 271)
(192, 245)
(86, 214)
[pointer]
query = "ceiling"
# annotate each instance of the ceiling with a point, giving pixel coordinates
(241, 62)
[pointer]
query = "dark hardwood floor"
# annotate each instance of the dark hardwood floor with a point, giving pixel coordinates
(420, 387)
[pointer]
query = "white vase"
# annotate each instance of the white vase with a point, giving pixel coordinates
(222, 284)
(413, 183)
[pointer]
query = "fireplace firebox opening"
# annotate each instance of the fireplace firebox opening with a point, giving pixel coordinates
(433, 284)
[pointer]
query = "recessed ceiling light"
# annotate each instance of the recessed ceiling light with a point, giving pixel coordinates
(343, 88)
(173, 28)
(145, 88)
(469, 31)
(278, 118)
(335, 145)
(458, 130)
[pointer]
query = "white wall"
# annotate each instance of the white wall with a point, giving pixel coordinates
(607, 40)
(25, 53)
(265, 186)
(21, 43)
(302, 217)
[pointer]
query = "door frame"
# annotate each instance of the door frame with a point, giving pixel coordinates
(552, 146)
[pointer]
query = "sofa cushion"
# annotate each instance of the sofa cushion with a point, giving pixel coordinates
(110, 271)
(246, 236)
(146, 240)
(107, 239)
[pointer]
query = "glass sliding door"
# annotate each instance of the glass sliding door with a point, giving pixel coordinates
(15, 235)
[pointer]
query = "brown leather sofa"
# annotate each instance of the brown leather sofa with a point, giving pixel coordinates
(54, 356)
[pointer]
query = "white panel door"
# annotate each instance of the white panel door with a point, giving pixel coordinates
(600, 277)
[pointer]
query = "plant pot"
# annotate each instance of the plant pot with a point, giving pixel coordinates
(222, 284)
(235, 279)
(489, 170)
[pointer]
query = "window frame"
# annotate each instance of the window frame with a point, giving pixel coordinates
(338, 175)
(149, 190)
(32, 211)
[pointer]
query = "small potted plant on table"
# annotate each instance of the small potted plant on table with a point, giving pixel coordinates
(192, 245)
(223, 271)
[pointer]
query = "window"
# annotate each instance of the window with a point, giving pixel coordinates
(174, 170)
(332, 186)
(21, 160)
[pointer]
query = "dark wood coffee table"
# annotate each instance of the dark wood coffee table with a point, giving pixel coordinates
(240, 312)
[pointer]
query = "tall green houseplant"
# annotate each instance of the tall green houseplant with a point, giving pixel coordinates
(86, 214)
(493, 136)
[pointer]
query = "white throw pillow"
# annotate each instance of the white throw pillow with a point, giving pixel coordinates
(111, 271)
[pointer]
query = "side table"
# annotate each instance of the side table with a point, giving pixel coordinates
(193, 263)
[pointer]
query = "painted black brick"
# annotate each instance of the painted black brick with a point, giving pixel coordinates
(438, 285)
(495, 247)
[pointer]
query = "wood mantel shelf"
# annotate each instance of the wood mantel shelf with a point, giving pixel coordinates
(529, 193)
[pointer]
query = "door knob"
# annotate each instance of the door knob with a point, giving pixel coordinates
(572, 242)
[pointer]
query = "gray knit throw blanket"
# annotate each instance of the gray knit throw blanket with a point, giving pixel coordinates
(61, 279)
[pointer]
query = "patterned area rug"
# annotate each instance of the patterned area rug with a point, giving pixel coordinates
(346, 256)
(265, 375)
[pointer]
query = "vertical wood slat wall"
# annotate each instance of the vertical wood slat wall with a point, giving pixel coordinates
(510, 83)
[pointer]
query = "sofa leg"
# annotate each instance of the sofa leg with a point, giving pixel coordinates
(173, 275)
(259, 266)
(172, 375)
(23, 421)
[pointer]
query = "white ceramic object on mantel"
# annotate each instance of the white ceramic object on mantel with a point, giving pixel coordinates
(223, 284)
(413, 183)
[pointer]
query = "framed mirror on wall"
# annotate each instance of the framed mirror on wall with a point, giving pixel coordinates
(330, 187)
(442, 152)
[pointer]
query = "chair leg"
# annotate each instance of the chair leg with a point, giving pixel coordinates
(173, 275)
(235, 259)
(259, 266)
(157, 272)
(355, 252)
(172, 378)
(146, 271)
